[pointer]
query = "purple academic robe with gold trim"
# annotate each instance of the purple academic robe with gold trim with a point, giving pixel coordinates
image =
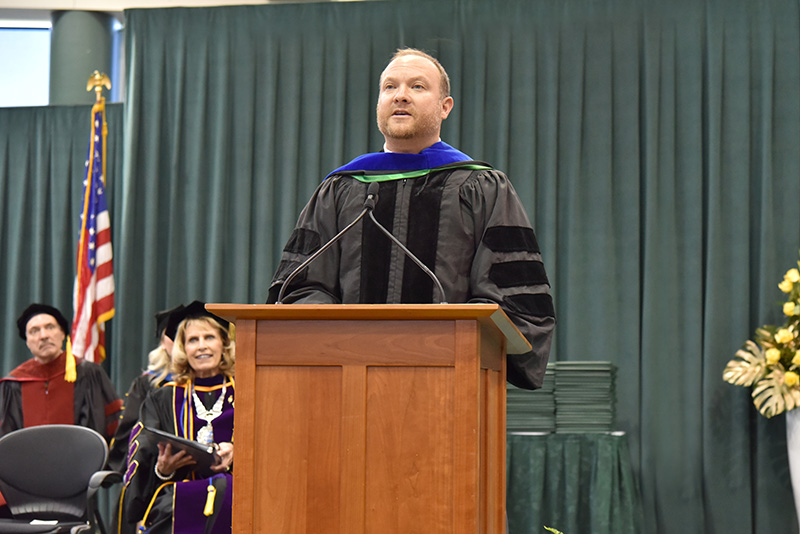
(177, 506)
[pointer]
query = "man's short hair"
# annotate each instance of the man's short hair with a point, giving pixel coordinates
(444, 79)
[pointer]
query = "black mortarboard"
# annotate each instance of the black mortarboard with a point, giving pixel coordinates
(193, 310)
(162, 321)
(37, 309)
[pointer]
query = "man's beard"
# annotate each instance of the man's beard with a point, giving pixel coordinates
(418, 127)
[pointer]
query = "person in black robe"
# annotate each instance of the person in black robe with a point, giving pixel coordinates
(460, 217)
(53, 386)
(162, 490)
(156, 375)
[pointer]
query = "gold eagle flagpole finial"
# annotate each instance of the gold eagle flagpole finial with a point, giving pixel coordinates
(97, 82)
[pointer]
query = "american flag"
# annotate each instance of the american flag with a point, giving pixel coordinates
(93, 296)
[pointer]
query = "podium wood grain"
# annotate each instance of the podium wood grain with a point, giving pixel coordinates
(379, 419)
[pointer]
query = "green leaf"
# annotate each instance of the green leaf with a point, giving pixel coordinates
(747, 368)
(767, 397)
(766, 335)
(771, 396)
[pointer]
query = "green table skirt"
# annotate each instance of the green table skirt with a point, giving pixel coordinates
(576, 483)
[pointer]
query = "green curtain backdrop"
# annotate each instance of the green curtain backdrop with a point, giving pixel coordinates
(654, 144)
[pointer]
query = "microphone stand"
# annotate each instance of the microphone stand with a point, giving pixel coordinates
(369, 205)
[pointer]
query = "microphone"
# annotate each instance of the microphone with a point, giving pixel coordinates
(369, 205)
(372, 196)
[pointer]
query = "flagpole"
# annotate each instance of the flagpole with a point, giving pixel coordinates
(97, 82)
(94, 284)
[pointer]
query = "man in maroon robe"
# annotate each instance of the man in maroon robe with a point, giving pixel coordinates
(53, 386)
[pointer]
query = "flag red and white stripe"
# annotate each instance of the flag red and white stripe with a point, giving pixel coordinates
(93, 296)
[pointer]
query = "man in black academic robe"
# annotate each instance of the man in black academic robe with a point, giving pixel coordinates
(54, 387)
(461, 218)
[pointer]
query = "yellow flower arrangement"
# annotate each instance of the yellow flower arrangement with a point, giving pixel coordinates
(771, 363)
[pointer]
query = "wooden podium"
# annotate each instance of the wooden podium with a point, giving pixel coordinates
(370, 419)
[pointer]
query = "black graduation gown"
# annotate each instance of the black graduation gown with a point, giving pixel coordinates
(144, 495)
(467, 225)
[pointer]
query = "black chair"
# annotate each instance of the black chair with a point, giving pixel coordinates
(50, 476)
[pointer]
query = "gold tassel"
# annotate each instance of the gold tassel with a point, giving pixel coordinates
(212, 493)
(69, 374)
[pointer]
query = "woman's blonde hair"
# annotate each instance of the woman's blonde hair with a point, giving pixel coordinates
(158, 363)
(181, 370)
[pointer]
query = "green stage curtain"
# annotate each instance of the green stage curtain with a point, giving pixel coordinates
(654, 144)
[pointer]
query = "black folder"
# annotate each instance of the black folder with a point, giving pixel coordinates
(205, 455)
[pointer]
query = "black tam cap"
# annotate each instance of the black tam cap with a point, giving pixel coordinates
(193, 310)
(162, 321)
(38, 309)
